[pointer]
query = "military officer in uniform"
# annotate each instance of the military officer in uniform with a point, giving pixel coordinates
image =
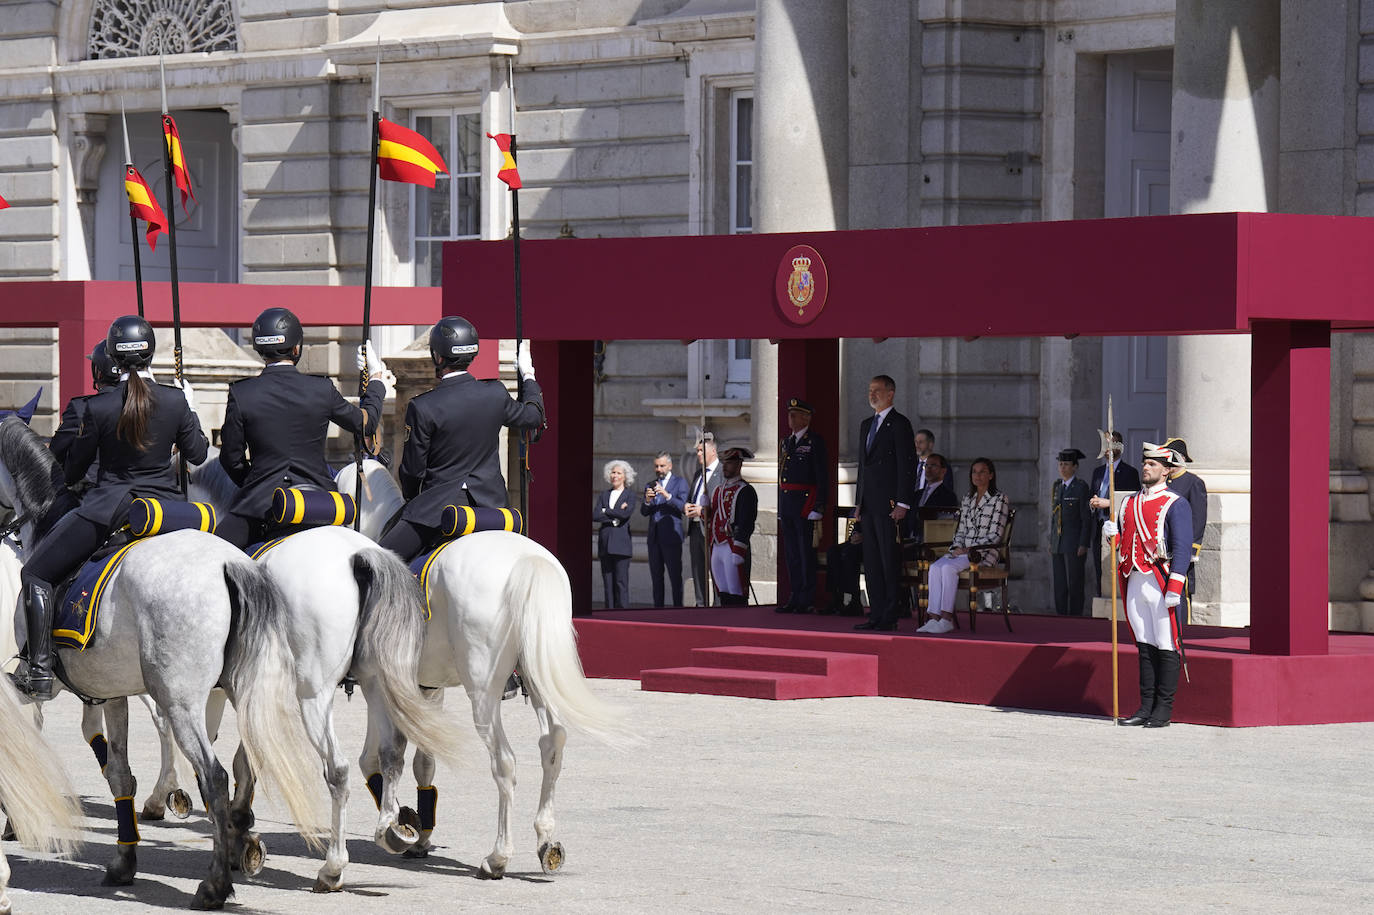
(1191, 487)
(803, 481)
(132, 428)
(1155, 527)
(275, 425)
(733, 511)
(104, 375)
(1071, 533)
(453, 436)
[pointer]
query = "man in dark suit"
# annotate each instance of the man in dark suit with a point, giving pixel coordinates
(453, 436)
(275, 425)
(665, 499)
(1071, 532)
(886, 486)
(937, 499)
(698, 499)
(1127, 479)
(803, 480)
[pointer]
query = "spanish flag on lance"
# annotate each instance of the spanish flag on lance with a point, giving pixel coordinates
(508, 172)
(143, 205)
(179, 173)
(3, 203)
(404, 155)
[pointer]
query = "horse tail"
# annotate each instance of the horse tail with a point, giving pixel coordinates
(392, 633)
(261, 674)
(34, 789)
(537, 595)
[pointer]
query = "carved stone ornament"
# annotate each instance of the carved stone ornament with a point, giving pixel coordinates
(140, 28)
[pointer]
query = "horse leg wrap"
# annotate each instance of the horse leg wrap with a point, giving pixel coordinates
(128, 820)
(426, 803)
(101, 749)
(374, 788)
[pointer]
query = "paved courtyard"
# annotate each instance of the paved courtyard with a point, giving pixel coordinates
(832, 805)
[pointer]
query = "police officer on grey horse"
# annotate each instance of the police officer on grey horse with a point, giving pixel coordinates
(453, 437)
(275, 425)
(132, 428)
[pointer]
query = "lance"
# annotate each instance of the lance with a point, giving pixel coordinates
(133, 220)
(182, 477)
(524, 446)
(1111, 513)
(701, 516)
(367, 279)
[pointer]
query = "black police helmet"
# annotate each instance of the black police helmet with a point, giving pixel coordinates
(276, 334)
(130, 343)
(104, 372)
(453, 342)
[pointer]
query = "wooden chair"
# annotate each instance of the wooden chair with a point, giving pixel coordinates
(980, 578)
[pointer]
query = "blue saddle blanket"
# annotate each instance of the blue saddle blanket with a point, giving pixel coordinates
(73, 624)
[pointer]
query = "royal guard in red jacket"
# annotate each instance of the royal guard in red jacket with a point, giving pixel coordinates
(734, 509)
(1156, 531)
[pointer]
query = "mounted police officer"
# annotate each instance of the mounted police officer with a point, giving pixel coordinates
(131, 428)
(452, 437)
(104, 375)
(275, 425)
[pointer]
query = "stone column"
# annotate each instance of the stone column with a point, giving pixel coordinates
(762, 472)
(1225, 126)
(88, 151)
(801, 116)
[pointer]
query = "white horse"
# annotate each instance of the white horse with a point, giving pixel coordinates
(33, 788)
(355, 610)
(498, 600)
(182, 613)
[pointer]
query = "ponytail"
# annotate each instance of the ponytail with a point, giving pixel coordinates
(138, 408)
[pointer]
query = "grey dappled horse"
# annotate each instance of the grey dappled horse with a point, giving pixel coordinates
(183, 613)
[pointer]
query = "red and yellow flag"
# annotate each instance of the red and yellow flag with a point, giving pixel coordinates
(143, 204)
(404, 155)
(3, 203)
(508, 172)
(179, 173)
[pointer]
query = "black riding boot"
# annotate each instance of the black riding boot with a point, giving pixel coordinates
(1169, 668)
(1148, 660)
(34, 676)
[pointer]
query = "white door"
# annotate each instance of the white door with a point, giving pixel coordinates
(207, 243)
(1139, 98)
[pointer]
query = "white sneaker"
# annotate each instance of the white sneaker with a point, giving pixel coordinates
(940, 627)
(926, 628)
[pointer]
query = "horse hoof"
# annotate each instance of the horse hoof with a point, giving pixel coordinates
(488, 872)
(418, 850)
(551, 857)
(408, 817)
(323, 885)
(9, 832)
(207, 899)
(151, 815)
(179, 802)
(116, 878)
(120, 871)
(253, 856)
(397, 838)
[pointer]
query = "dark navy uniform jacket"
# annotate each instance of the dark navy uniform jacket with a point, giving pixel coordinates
(125, 472)
(452, 450)
(1071, 520)
(67, 431)
(275, 425)
(803, 464)
(1190, 486)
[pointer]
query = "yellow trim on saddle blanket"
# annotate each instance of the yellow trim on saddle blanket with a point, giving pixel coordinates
(424, 574)
(267, 547)
(93, 605)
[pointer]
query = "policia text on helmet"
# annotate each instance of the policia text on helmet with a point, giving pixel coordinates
(452, 345)
(277, 335)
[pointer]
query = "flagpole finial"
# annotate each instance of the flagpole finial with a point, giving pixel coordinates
(162, 74)
(377, 80)
(128, 156)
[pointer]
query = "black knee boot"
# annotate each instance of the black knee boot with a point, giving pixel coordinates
(1165, 688)
(1148, 660)
(34, 677)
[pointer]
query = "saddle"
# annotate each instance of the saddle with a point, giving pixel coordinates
(458, 521)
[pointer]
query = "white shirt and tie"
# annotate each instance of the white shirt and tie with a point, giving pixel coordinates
(873, 429)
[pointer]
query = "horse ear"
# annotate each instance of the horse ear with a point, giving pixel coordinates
(26, 411)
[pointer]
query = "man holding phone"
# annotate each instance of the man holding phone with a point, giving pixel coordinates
(665, 497)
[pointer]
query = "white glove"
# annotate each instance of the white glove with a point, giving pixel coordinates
(523, 364)
(814, 516)
(1172, 599)
(1109, 528)
(371, 362)
(188, 391)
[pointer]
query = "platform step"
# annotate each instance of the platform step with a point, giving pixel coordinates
(768, 673)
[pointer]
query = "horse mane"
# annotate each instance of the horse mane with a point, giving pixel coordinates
(30, 464)
(210, 483)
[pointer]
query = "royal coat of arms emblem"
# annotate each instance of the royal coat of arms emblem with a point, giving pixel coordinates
(801, 284)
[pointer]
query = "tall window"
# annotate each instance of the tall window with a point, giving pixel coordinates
(453, 210)
(741, 162)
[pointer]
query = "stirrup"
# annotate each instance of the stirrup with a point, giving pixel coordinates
(39, 688)
(514, 686)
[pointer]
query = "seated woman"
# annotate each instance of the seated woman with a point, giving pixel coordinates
(982, 523)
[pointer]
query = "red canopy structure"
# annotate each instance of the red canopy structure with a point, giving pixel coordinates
(1287, 280)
